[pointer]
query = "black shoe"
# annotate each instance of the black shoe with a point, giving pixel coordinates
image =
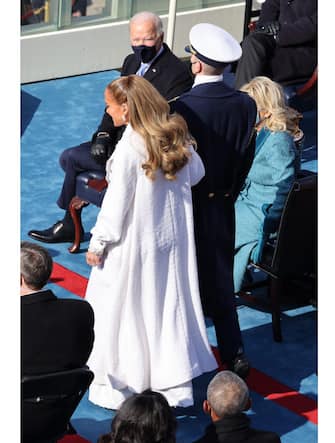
(58, 233)
(240, 365)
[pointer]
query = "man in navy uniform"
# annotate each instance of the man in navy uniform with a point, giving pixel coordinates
(151, 59)
(222, 122)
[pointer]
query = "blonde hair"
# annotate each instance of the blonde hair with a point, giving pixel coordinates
(166, 136)
(269, 96)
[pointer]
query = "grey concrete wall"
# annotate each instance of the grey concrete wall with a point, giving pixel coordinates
(102, 47)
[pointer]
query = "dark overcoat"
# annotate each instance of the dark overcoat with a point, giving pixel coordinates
(295, 56)
(236, 429)
(222, 122)
(56, 334)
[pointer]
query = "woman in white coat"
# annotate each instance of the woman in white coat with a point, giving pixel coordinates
(149, 325)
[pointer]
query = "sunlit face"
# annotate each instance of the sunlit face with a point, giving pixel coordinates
(144, 33)
(119, 113)
(195, 64)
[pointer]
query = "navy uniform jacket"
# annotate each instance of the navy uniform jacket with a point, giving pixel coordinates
(296, 48)
(170, 76)
(222, 121)
(56, 334)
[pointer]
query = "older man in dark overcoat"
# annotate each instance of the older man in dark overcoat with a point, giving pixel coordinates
(222, 122)
(283, 45)
(152, 59)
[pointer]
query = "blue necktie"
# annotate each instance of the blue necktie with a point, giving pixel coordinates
(142, 69)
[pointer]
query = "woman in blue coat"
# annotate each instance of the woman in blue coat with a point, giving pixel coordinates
(274, 168)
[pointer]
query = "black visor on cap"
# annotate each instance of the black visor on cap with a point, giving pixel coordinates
(190, 49)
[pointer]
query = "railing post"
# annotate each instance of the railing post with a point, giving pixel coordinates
(171, 23)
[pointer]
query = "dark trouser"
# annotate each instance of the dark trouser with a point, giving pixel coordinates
(227, 328)
(215, 235)
(285, 65)
(257, 51)
(74, 161)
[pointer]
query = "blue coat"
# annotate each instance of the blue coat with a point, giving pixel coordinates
(222, 121)
(269, 180)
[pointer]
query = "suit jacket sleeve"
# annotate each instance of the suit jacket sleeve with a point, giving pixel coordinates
(303, 30)
(246, 151)
(270, 11)
(245, 162)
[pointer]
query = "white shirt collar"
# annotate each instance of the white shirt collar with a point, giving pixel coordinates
(199, 79)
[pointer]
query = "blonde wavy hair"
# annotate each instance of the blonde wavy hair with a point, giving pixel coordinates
(269, 96)
(166, 136)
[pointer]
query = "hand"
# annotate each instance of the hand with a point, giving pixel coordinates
(100, 147)
(271, 28)
(93, 259)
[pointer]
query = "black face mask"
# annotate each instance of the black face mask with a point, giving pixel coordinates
(144, 53)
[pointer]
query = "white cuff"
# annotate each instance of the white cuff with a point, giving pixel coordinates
(96, 246)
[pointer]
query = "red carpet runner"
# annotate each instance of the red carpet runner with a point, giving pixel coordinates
(257, 381)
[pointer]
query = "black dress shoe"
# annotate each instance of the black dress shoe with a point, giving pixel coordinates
(58, 233)
(240, 365)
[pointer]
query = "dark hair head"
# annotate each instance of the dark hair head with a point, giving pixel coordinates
(143, 418)
(36, 265)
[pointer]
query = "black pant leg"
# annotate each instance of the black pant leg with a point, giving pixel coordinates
(257, 50)
(227, 328)
(74, 161)
(214, 236)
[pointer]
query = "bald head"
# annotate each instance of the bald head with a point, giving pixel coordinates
(227, 394)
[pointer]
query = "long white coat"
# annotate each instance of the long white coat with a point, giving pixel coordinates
(149, 324)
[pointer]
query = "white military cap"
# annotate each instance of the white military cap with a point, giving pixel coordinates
(213, 45)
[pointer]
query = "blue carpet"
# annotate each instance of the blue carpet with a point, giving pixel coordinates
(61, 113)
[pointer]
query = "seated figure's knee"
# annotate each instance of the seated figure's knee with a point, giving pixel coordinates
(261, 43)
(69, 157)
(247, 41)
(64, 158)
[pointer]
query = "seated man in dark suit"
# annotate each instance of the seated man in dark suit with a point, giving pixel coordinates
(283, 46)
(56, 334)
(151, 59)
(227, 399)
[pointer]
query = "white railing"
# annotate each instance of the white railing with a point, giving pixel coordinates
(103, 46)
